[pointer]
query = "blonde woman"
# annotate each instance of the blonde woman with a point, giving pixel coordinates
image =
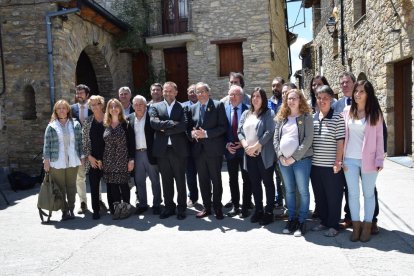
(293, 145)
(119, 153)
(63, 153)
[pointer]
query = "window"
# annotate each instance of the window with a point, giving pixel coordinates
(29, 104)
(175, 16)
(230, 58)
(360, 9)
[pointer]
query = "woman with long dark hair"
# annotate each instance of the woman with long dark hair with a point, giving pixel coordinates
(316, 82)
(364, 154)
(255, 133)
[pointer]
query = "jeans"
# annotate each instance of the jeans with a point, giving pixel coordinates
(296, 177)
(352, 174)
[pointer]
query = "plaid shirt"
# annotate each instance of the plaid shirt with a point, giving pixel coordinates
(51, 141)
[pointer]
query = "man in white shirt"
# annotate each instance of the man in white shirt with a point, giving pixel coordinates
(145, 162)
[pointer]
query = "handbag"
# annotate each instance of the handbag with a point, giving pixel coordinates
(50, 198)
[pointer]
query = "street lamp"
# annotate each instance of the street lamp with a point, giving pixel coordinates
(331, 25)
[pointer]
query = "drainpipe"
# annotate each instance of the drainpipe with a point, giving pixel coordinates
(342, 34)
(48, 17)
(2, 63)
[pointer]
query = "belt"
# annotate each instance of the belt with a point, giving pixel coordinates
(143, 149)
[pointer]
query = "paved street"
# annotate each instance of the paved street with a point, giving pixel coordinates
(146, 245)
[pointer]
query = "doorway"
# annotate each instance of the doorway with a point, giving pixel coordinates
(176, 70)
(403, 107)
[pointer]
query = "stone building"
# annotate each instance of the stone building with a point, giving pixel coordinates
(374, 40)
(196, 41)
(82, 51)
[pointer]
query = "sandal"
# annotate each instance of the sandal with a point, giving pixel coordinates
(332, 232)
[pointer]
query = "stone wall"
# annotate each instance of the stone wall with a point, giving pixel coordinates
(371, 47)
(26, 65)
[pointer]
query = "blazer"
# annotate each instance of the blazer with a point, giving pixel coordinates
(75, 112)
(229, 135)
(372, 146)
(149, 135)
(339, 105)
(305, 134)
(214, 123)
(264, 130)
(173, 127)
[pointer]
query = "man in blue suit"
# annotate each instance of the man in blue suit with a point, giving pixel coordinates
(234, 154)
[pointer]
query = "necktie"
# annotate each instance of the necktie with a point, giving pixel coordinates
(81, 113)
(234, 124)
(202, 112)
(348, 101)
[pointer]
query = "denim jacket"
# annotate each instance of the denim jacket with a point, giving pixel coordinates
(305, 134)
(51, 141)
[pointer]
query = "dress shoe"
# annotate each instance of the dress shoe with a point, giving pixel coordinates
(191, 203)
(347, 223)
(228, 204)
(315, 214)
(249, 205)
(234, 212)
(83, 208)
(374, 228)
(181, 215)
(244, 213)
(96, 215)
(156, 210)
(141, 210)
(219, 213)
(71, 214)
(266, 219)
(65, 215)
(102, 207)
(167, 213)
(257, 216)
(203, 213)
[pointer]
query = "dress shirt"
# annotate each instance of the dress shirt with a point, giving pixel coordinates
(85, 111)
(139, 129)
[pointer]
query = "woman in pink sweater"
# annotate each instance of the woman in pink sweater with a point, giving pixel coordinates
(364, 154)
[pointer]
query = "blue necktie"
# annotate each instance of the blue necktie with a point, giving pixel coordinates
(202, 112)
(348, 101)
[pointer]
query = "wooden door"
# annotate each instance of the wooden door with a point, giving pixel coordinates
(402, 107)
(176, 70)
(140, 73)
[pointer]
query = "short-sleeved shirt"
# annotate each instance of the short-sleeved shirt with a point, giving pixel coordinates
(327, 132)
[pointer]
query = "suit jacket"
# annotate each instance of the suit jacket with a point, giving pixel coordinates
(230, 137)
(165, 128)
(149, 135)
(339, 105)
(214, 123)
(75, 112)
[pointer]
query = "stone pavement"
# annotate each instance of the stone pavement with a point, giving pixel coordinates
(146, 245)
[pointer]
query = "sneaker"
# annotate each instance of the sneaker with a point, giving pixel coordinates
(256, 217)
(83, 208)
(102, 207)
(319, 227)
(290, 227)
(300, 230)
(266, 219)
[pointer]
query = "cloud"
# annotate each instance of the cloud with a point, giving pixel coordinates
(295, 50)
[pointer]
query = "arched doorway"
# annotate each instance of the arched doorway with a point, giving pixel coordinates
(93, 70)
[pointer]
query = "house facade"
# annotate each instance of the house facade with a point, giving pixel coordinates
(375, 41)
(81, 50)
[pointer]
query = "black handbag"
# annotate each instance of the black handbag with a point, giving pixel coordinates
(50, 198)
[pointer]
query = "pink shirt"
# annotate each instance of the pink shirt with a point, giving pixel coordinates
(372, 145)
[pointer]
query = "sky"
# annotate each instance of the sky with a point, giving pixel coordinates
(304, 32)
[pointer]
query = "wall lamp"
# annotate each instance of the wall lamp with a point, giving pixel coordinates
(331, 25)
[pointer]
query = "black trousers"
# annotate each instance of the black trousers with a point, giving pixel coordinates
(327, 188)
(258, 173)
(173, 167)
(209, 174)
(95, 176)
(348, 212)
(279, 184)
(116, 193)
(191, 175)
(233, 166)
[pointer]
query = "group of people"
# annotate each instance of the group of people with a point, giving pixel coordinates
(332, 143)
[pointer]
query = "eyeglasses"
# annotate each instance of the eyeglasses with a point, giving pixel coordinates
(95, 104)
(198, 92)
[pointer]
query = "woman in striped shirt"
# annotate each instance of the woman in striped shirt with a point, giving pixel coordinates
(327, 177)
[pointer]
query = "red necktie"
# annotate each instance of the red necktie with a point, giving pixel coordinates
(234, 124)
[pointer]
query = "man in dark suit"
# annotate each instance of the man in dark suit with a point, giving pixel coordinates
(207, 126)
(81, 111)
(235, 154)
(145, 162)
(171, 149)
